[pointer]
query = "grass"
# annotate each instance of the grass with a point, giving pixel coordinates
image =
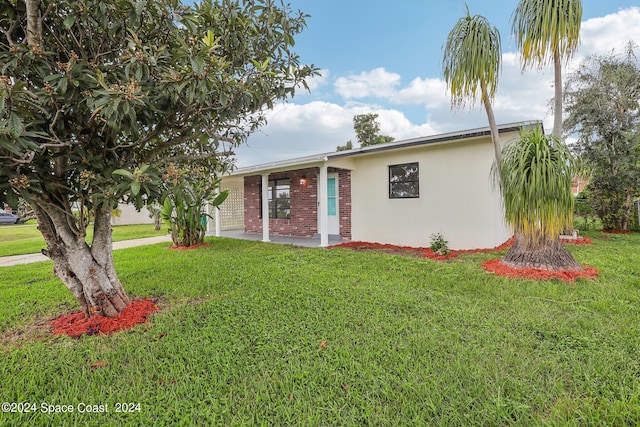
(26, 239)
(240, 340)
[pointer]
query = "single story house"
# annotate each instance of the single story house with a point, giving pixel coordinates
(400, 192)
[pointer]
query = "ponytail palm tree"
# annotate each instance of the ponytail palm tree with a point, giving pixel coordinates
(471, 66)
(535, 181)
(545, 31)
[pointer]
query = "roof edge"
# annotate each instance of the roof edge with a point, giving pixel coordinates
(432, 139)
(424, 140)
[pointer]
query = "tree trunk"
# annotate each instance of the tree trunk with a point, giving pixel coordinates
(627, 211)
(495, 134)
(547, 255)
(557, 101)
(87, 271)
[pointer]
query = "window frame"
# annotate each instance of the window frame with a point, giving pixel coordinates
(416, 181)
(272, 199)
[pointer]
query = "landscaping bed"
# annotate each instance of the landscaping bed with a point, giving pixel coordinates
(76, 324)
(492, 266)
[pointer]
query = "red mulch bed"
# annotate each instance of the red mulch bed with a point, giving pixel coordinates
(428, 253)
(495, 266)
(617, 231)
(187, 248)
(424, 252)
(578, 241)
(76, 325)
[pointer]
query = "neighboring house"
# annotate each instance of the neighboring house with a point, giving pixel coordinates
(400, 192)
(127, 215)
(578, 184)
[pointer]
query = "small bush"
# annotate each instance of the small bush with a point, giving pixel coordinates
(439, 245)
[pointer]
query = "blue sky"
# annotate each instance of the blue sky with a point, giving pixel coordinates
(378, 58)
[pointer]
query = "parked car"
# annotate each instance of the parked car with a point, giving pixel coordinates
(9, 218)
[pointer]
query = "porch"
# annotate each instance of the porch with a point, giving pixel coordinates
(309, 242)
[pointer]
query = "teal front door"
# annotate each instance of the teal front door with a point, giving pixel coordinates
(333, 208)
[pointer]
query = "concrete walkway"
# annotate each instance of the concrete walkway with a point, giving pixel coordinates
(29, 258)
(234, 234)
(309, 242)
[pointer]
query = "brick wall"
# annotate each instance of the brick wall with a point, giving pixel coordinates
(344, 201)
(252, 220)
(303, 221)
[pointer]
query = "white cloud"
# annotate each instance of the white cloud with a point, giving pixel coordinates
(298, 117)
(601, 35)
(432, 92)
(296, 131)
(378, 83)
(395, 123)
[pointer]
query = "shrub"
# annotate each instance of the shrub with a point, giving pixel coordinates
(439, 245)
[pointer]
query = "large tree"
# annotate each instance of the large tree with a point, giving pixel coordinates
(603, 107)
(91, 87)
(548, 31)
(366, 127)
(535, 180)
(471, 66)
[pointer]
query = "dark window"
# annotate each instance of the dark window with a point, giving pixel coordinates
(279, 198)
(404, 181)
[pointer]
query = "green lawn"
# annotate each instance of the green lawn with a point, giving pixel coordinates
(408, 341)
(26, 239)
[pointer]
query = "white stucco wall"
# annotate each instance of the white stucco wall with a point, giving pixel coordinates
(457, 198)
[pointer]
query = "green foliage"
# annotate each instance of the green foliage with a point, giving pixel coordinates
(116, 85)
(471, 67)
(409, 341)
(184, 206)
(345, 147)
(536, 172)
(543, 28)
(603, 106)
(582, 209)
(439, 245)
(610, 201)
(548, 31)
(100, 97)
(366, 127)
(471, 60)
(382, 139)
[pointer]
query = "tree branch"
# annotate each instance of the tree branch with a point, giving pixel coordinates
(10, 31)
(17, 162)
